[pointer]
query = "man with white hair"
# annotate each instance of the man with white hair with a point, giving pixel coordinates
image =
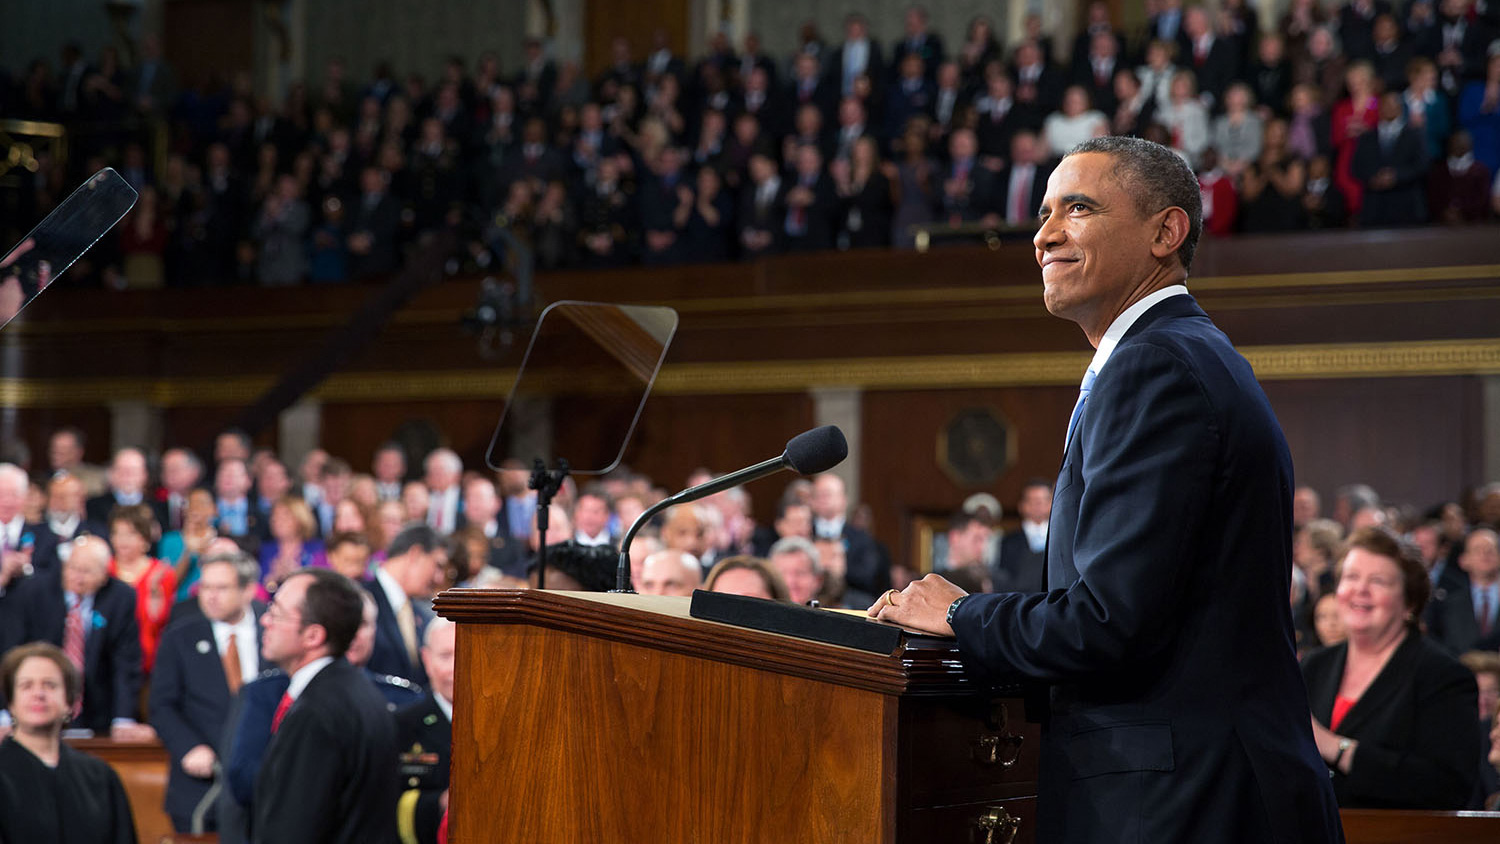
(424, 732)
(127, 485)
(17, 551)
(670, 573)
(444, 499)
(91, 616)
(796, 560)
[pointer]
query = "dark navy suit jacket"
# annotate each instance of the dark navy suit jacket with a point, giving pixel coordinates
(390, 655)
(190, 702)
(1177, 712)
(112, 647)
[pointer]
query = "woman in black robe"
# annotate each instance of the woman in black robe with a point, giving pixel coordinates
(49, 791)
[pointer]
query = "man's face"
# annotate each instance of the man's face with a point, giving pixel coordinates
(417, 580)
(1481, 557)
(389, 466)
(349, 559)
(437, 658)
(665, 574)
(966, 547)
(591, 515)
(65, 495)
(1094, 246)
(87, 568)
(480, 502)
(64, 452)
(274, 482)
(1036, 504)
(363, 644)
(229, 447)
(232, 481)
(795, 521)
(178, 472)
(281, 639)
(127, 473)
(439, 476)
(1305, 506)
(797, 570)
(829, 501)
(219, 593)
(312, 465)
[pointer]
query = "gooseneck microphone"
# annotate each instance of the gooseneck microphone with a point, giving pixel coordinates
(808, 453)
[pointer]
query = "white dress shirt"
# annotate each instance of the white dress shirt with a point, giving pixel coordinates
(245, 642)
(1124, 321)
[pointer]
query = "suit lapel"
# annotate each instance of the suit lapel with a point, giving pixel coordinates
(1389, 684)
(1320, 694)
(1463, 626)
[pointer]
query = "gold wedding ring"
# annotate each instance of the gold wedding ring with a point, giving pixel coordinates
(890, 596)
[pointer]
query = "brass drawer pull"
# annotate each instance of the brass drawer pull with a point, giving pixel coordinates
(997, 826)
(998, 750)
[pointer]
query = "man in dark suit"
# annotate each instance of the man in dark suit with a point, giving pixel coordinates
(425, 734)
(867, 564)
(406, 573)
(919, 40)
(1213, 60)
(238, 517)
(91, 616)
(1023, 183)
(1022, 566)
(329, 773)
(371, 226)
(810, 200)
(1391, 163)
(1177, 712)
(67, 518)
(1466, 617)
(18, 555)
(201, 664)
(127, 485)
(762, 207)
(858, 55)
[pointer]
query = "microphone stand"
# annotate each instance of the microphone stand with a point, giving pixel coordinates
(546, 482)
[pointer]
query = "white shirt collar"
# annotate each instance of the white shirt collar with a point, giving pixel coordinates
(829, 527)
(444, 704)
(1124, 321)
(304, 675)
(393, 591)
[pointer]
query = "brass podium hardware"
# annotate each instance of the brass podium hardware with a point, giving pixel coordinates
(1001, 750)
(997, 826)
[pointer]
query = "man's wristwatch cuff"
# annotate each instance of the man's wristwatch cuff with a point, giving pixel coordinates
(953, 607)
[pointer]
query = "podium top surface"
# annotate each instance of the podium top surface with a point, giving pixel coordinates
(919, 665)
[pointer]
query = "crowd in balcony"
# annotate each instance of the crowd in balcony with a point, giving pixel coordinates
(1361, 114)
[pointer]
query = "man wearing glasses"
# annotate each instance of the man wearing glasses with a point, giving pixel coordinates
(329, 774)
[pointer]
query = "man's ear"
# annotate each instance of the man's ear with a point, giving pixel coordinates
(1171, 232)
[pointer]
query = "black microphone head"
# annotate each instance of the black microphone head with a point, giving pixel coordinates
(818, 450)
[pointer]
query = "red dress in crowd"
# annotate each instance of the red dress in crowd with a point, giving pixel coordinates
(155, 590)
(1345, 114)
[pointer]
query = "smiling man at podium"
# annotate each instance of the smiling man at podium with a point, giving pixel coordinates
(1177, 712)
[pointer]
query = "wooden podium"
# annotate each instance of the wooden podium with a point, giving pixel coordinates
(593, 717)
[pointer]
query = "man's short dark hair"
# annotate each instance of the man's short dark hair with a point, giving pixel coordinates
(333, 601)
(348, 537)
(960, 521)
(413, 536)
(1158, 178)
(1034, 483)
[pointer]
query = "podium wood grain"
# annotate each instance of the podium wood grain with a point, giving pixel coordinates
(619, 718)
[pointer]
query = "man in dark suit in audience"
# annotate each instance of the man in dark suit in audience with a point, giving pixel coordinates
(202, 662)
(1021, 185)
(329, 773)
(425, 735)
(919, 40)
(411, 560)
(1176, 709)
(762, 207)
(1022, 566)
(1468, 619)
(238, 517)
(968, 187)
(91, 616)
(66, 519)
(1391, 162)
(127, 485)
(868, 565)
(1213, 60)
(810, 201)
(858, 55)
(19, 557)
(371, 225)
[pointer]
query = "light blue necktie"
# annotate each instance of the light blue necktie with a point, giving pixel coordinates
(1083, 396)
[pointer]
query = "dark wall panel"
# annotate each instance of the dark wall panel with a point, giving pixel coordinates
(1415, 440)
